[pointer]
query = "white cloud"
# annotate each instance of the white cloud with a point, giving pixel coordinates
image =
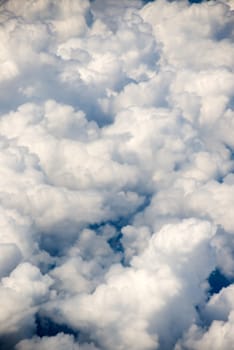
(141, 301)
(219, 335)
(116, 186)
(59, 342)
(21, 293)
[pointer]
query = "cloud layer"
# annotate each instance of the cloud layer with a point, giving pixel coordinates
(117, 185)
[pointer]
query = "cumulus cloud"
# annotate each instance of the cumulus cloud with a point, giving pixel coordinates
(21, 293)
(117, 186)
(219, 315)
(142, 301)
(60, 341)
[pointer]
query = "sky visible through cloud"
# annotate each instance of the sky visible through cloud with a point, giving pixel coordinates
(117, 175)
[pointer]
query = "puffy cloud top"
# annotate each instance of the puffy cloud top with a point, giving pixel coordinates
(117, 185)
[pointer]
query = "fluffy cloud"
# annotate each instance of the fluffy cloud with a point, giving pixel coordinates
(142, 301)
(60, 341)
(219, 313)
(116, 187)
(21, 293)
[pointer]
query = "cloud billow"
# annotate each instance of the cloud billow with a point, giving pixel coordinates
(117, 186)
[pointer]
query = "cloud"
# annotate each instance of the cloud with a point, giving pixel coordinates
(60, 341)
(148, 295)
(219, 336)
(219, 313)
(21, 293)
(116, 187)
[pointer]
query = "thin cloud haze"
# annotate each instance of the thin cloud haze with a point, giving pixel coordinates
(117, 185)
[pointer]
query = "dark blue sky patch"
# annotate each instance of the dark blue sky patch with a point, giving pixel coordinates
(218, 281)
(51, 244)
(115, 240)
(115, 243)
(47, 327)
(7, 342)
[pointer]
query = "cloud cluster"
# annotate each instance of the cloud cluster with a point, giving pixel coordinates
(117, 185)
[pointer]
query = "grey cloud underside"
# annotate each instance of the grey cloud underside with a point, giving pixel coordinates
(117, 185)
